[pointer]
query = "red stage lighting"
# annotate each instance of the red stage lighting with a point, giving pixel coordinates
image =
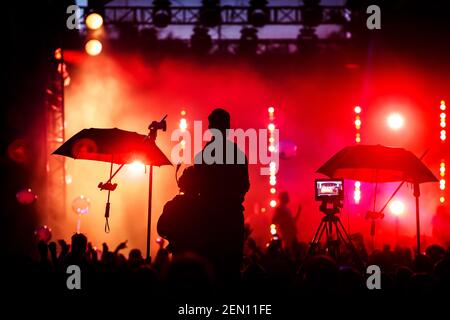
(136, 167)
(395, 121)
(94, 21)
(93, 47)
(397, 207)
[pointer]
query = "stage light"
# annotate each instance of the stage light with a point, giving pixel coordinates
(161, 13)
(94, 21)
(273, 229)
(397, 207)
(263, 210)
(357, 189)
(201, 41)
(443, 106)
(271, 148)
(395, 121)
(210, 15)
(248, 42)
(357, 192)
(273, 181)
(183, 113)
(273, 203)
(58, 54)
(271, 110)
(442, 199)
(273, 190)
(183, 124)
(442, 184)
(271, 127)
(258, 14)
(136, 167)
(93, 47)
(312, 13)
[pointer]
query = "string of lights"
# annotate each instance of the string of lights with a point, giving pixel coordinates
(357, 191)
(272, 165)
(443, 138)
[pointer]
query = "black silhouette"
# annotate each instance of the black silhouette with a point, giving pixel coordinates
(207, 218)
(285, 220)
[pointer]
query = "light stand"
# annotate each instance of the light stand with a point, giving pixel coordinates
(153, 130)
(417, 195)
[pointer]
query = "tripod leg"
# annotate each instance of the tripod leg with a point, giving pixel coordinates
(317, 237)
(342, 233)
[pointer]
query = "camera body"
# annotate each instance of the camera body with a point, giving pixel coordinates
(329, 190)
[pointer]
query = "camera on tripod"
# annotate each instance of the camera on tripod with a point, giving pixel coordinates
(331, 193)
(329, 190)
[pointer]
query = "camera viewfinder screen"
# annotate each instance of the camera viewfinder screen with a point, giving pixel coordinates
(329, 188)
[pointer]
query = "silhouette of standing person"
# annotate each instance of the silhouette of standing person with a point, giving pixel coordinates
(284, 218)
(222, 171)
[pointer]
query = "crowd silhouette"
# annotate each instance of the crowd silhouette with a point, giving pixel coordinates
(264, 271)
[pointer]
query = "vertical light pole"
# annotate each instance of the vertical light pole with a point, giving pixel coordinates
(357, 191)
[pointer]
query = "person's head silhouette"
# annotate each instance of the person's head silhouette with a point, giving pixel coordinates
(284, 197)
(219, 119)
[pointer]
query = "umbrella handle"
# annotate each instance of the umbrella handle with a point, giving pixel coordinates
(107, 229)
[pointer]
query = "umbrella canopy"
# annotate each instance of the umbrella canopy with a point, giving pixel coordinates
(114, 146)
(377, 163)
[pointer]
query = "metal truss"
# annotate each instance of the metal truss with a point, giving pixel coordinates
(55, 166)
(231, 15)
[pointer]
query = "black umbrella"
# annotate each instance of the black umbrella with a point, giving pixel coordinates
(377, 163)
(113, 146)
(118, 146)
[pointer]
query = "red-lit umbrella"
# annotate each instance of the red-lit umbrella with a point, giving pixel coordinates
(113, 146)
(377, 163)
(118, 146)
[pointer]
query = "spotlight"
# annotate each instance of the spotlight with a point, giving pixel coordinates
(397, 207)
(210, 15)
(94, 21)
(258, 13)
(273, 203)
(161, 13)
(136, 167)
(273, 229)
(248, 43)
(312, 13)
(201, 42)
(395, 121)
(93, 47)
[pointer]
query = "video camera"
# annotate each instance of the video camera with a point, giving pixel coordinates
(329, 190)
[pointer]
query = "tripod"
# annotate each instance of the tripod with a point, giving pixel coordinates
(335, 232)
